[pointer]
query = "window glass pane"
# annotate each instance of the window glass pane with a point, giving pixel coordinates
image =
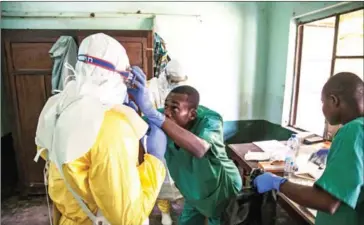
(318, 40)
(350, 65)
(350, 35)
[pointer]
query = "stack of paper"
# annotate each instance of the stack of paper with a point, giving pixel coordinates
(271, 146)
(304, 165)
(257, 156)
(276, 149)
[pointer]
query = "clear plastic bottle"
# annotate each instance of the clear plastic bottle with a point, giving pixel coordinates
(293, 145)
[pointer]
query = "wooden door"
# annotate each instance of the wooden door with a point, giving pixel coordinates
(27, 80)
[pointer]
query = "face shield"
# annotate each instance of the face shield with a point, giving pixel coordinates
(102, 69)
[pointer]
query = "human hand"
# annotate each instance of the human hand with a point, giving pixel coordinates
(141, 96)
(156, 141)
(268, 181)
(319, 157)
(322, 152)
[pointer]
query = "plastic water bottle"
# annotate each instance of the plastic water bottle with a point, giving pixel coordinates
(293, 145)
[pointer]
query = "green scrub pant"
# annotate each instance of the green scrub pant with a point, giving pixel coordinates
(190, 216)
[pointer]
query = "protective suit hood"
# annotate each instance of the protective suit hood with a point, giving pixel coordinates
(175, 72)
(70, 121)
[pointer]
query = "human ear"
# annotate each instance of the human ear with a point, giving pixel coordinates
(335, 100)
(193, 114)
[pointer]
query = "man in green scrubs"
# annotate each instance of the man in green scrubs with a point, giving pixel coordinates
(338, 194)
(196, 156)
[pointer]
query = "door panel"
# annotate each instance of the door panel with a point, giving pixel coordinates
(31, 56)
(135, 52)
(31, 97)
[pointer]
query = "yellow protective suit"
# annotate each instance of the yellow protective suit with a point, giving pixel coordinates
(108, 178)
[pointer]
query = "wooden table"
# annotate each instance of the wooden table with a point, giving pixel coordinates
(300, 214)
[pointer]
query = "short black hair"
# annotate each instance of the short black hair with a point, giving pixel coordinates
(347, 86)
(192, 93)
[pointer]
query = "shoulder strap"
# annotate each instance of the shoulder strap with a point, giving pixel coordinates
(75, 195)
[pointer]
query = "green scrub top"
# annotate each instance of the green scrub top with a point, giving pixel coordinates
(206, 183)
(344, 176)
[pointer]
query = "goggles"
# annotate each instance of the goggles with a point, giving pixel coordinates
(127, 75)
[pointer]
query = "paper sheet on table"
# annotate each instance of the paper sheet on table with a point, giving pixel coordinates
(257, 156)
(276, 149)
(304, 165)
(312, 211)
(271, 146)
(310, 169)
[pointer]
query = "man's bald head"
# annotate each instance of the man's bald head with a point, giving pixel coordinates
(346, 86)
(342, 97)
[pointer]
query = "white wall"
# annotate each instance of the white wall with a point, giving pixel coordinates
(280, 15)
(221, 54)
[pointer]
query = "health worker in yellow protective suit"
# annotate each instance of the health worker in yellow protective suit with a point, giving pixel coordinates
(91, 143)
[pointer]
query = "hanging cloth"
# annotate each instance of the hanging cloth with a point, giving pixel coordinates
(64, 50)
(161, 57)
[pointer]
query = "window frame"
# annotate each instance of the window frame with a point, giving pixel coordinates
(297, 65)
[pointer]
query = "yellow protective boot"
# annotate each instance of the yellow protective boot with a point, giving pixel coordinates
(165, 208)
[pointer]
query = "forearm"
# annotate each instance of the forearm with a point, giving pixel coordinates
(311, 197)
(185, 139)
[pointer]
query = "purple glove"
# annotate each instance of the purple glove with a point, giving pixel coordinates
(141, 96)
(156, 142)
(267, 182)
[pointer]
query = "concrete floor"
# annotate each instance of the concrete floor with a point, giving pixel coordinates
(34, 211)
(31, 211)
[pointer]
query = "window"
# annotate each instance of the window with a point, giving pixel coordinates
(324, 47)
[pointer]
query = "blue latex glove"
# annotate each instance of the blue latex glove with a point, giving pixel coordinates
(322, 152)
(268, 181)
(141, 95)
(156, 141)
(130, 103)
(319, 157)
